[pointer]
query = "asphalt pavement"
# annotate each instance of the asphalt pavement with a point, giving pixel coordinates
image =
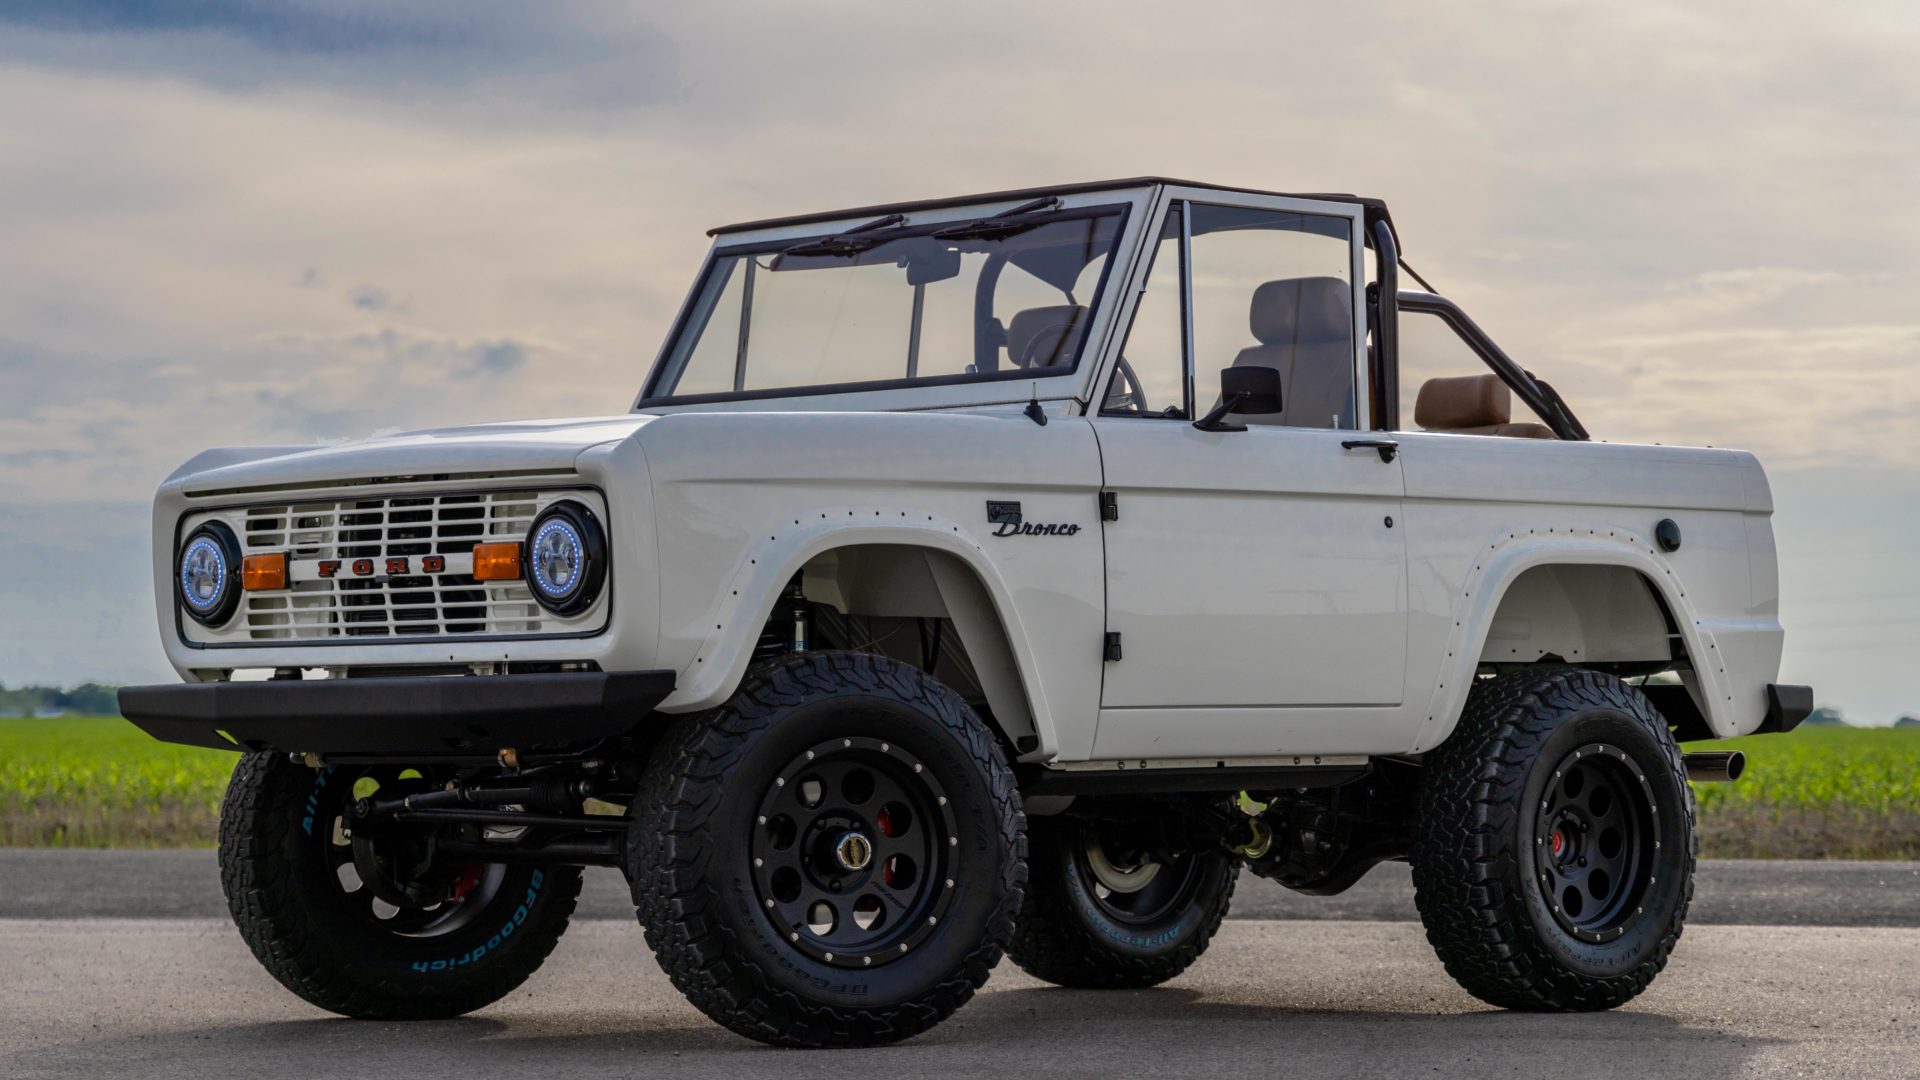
(1789, 969)
(47, 884)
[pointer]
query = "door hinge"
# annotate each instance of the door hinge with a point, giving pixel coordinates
(1109, 506)
(1113, 645)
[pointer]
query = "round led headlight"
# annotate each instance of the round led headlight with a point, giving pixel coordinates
(209, 574)
(566, 557)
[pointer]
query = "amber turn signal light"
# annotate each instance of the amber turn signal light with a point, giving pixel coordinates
(496, 562)
(259, 572)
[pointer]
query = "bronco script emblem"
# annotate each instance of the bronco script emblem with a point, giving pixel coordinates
(1006, 515)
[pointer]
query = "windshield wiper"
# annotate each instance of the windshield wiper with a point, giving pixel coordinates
(849, 242)
(1003, 224)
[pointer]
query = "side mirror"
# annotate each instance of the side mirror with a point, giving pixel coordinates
(1251, 390)
(1258, 389)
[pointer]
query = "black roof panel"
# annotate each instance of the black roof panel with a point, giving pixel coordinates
(1376, 208)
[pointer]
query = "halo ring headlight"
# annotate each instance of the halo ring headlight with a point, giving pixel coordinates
(207, 577)
(566, 558)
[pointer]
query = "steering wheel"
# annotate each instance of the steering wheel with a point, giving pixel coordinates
(1053, 336)
(1124, 393)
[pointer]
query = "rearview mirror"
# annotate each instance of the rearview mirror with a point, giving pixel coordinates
(927, 267)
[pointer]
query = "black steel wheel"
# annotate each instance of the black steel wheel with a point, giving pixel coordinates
(852, 852)
(1596, 839)
(1553, 863)
(1117, 904)
(395, 881)
(835, 857)
(376, 925)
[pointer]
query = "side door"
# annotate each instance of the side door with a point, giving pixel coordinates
(1257, 578)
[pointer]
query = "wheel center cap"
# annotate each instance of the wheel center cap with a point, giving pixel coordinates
(853, 851)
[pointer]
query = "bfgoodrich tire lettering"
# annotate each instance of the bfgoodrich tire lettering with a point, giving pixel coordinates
(1070, 935)
(1488, 893)
(691, 847)
(282, 892)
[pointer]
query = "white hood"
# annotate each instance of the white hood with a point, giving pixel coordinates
(532, 445)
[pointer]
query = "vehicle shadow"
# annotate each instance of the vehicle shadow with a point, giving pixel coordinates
(1018, 1032)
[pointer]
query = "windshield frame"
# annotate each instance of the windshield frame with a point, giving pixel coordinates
(1061, 381)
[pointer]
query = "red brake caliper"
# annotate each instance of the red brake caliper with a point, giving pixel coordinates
(470, 876)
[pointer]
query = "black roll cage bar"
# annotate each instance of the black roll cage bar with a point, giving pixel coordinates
(1385, 301)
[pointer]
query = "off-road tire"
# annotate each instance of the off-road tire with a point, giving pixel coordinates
(1476, 856)
(1067, 938)
(696, 814)
(292, 917)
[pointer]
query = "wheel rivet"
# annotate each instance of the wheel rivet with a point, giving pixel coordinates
(809, 755)
(769, 903)
(829, 956)
(779, 781)
(932, 919)
(866, 961)
(953, 841)
(763, 819)
(903, 948)
(757, 862)
(1639, 911)
(846, 742)
(943, 800)
(885, 747)
(793, 937)
(917, 766)
(949, 883)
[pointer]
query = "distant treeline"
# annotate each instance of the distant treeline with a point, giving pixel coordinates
(91, 699)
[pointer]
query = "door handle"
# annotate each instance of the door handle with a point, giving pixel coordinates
(1387, 447)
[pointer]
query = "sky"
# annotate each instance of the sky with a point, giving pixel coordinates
(232, 221)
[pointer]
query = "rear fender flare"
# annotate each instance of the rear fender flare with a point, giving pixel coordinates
(1502, 562)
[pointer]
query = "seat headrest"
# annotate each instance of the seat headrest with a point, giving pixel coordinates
(1056, 330)
(1301, 311)
(1463, 401)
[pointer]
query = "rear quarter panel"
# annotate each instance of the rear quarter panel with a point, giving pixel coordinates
(1482, 510)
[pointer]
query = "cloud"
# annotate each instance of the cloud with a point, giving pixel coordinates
(231, 221)
(498, 358)
(372, 298)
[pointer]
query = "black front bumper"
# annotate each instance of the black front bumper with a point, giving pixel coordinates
(426, 716)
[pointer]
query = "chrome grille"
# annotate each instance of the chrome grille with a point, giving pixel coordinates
(400, 606)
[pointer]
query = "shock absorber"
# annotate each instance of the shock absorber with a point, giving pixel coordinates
(799, 600)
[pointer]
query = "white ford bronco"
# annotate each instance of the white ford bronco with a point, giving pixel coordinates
(991, 574)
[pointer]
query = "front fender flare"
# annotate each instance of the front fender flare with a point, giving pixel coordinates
(748, 599)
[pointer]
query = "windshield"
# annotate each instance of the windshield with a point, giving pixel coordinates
(1000, 298)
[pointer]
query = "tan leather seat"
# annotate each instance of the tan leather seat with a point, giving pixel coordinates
(1472, 405)
(1305, 330)
(1045, 336)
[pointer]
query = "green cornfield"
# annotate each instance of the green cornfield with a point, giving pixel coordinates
(98, 781)
(1835, 793)
(1818, 793)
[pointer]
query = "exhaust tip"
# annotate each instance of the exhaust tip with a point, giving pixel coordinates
(1719, 766)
